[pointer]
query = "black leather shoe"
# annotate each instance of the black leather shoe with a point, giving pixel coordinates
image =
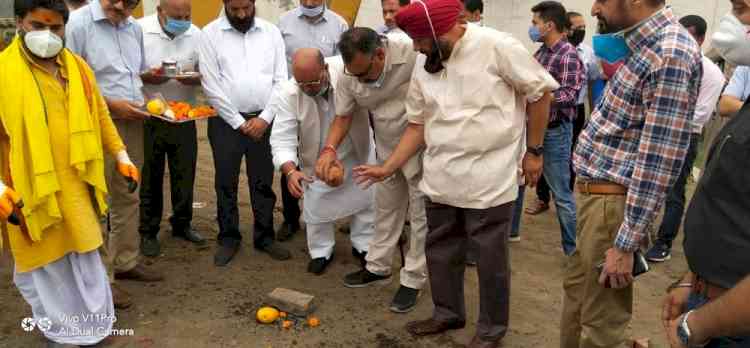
(225, 252)
(319, 265)
(190, 235)
(276, 252)
(286, 232)
(360, 256)
(150, 246)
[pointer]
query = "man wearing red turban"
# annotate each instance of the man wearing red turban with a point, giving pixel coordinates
(469, 107)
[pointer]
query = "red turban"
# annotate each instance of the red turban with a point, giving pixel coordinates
(444, 14)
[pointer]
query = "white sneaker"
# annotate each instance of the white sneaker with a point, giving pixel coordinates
(514, 239)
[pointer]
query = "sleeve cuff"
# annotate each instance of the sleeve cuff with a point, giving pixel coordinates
(280, 158)
(627, 240)
(268, 116)
(235, 122)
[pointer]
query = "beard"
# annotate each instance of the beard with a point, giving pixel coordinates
(242, 25)
(606, 26)
(441, 51)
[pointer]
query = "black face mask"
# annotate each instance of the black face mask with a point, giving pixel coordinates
(434, 63)
(242, 25)
(577, 36)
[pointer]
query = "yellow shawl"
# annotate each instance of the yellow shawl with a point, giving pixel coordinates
(30, 164)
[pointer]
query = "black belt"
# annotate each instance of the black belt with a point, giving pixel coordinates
(249, 115)
(555, 124)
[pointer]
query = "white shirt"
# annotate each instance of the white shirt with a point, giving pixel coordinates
(708, 96)
(590, 69)
(323, 34)
(474, 117)
(291, 136)
(240, 71)
(160, 47)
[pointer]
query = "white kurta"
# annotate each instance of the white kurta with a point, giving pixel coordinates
(323, 203)
(73, 295)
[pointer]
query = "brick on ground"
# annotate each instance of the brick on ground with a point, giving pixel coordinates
(291, 301)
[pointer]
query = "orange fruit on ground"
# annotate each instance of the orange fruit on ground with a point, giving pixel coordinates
(267, 315)
(287, 324)
(313, 321)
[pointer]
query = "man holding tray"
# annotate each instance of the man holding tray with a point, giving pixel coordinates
(168, 35)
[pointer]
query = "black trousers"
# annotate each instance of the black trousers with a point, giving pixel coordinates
(229, 147)
(291, 204)
(176, 144)
(452, 233)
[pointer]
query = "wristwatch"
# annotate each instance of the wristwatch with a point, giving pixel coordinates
(537, 151)
(684, 333)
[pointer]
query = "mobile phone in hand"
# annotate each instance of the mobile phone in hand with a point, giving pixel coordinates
(640, 266)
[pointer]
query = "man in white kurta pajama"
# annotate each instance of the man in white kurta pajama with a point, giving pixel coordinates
(304, 109)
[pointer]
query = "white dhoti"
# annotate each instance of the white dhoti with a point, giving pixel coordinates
(73, 295)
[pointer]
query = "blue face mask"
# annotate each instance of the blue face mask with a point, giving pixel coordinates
(535, 34)
(312, 12)
(612, 51)
(176, 27)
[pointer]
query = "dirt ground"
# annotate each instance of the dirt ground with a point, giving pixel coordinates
(200, 305)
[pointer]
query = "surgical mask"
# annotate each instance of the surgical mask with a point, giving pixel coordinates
(732, 40)
(535, 34)
(577, 36)
(176, 27)
(43, 43)
(612, 51)
(312, 12)
(323, 90)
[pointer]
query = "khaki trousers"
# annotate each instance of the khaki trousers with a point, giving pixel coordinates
(122, 240)
(393, 198)
(594, 316)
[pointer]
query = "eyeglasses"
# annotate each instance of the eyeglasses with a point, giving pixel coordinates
(312, 84)
(367, 72)
(130, 4)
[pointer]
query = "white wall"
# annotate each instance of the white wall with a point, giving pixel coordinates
(513, 16)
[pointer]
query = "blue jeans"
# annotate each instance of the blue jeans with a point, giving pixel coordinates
(557, 157)
(674, 208)
(515, 227)
(698, 300)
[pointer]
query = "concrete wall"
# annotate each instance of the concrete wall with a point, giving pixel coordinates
(512, 16)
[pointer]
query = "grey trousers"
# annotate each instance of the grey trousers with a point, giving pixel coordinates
(450, 231)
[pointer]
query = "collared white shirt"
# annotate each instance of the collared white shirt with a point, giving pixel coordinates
(711, 86)
(240, 71)
(323, 34)
(474, 117)
(160, 47)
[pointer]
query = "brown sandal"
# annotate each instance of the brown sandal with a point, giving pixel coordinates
(537, 208)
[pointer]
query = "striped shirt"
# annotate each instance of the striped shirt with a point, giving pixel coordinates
(639, 134)
(564, 64)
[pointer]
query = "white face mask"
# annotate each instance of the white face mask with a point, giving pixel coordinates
(43, 43)
(732, 40)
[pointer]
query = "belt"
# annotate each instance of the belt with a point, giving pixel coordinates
(249, 115)
(556, 123)
(600, 188)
